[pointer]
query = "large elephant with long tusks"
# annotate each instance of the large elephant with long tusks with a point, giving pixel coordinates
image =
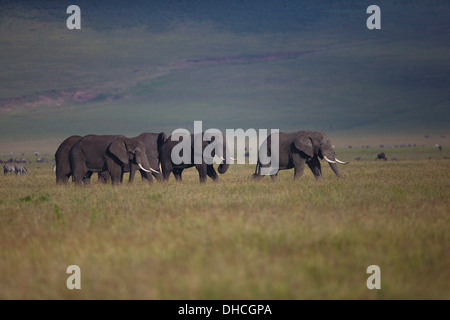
(111, 153)
(297, 149)
(153, 143)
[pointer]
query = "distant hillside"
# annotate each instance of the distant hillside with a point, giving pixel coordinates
(158, 65)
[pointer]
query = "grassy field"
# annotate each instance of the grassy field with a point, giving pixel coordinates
(236, 239)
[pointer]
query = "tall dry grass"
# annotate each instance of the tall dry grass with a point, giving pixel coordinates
(235, 239)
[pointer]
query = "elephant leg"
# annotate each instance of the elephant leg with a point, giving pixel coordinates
(87, 178)
(78, 176)
(211, 172)
(61, 180)
(78, 181)
(116, 175)
(100, 177)
(166, 176)
(177, 173)
(61, 177)
(166, 169)
(257, 175)
(315, 167)
(202, 172)
(104, 177)
(299, 167)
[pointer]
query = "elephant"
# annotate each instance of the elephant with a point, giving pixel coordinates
(62, 164)
(63, 171)
(153, 143)
(204, 169)
(299, 148)
(111, 153)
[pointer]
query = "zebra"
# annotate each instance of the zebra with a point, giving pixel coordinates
(16, 169)
(9, 168)
(20, 169)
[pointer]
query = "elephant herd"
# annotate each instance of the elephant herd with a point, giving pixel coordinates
(110, 156)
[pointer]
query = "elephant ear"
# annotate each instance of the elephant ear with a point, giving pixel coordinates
(161, 139)
(118, 148)
(304, 144)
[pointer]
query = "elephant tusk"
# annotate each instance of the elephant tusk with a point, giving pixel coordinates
(142, 168)
(154, 170)
(231, 158)
(328, 160)
(341, 162)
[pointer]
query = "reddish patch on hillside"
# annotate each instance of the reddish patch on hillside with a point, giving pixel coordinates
(51, 98)
(56, 98)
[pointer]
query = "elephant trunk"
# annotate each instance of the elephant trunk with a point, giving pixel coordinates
(223, 167)
(142, 162)
(332, 161)
(334, 167)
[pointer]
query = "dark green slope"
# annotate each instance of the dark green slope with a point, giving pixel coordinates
(159, 65)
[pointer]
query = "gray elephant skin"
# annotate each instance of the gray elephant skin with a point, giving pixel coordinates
(111, 153)
(63, 171)
(204, 170)
(152, 143)
(300, 148)
(62, 163)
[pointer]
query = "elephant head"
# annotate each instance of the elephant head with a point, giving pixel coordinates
(220, 146)
(130, 151)
(317, 144)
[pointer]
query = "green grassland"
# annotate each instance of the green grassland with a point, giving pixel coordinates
(235, 239)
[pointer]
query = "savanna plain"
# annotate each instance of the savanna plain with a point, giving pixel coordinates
(234, 239)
